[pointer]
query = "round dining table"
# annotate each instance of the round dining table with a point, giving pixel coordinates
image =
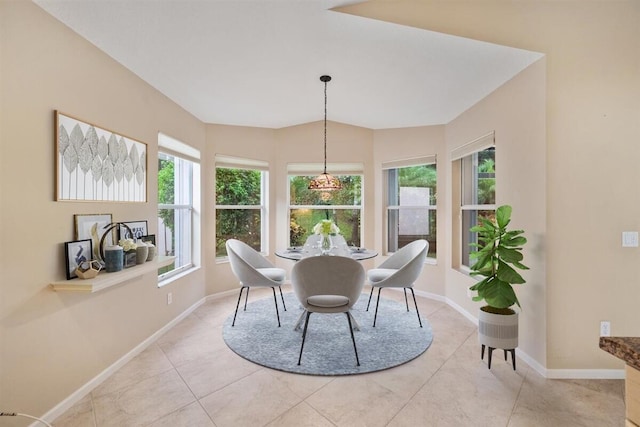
(298, 252)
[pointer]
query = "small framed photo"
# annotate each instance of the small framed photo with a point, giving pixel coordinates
(149, 238)
(75, 253)
(92, 226)
(138, 229)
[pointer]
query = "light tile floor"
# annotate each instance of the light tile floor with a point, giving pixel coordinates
(190, 378)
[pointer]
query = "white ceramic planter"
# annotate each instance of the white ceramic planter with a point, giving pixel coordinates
(498, 330)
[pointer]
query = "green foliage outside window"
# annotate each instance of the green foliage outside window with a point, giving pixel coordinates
(303, 220)
(238, 187)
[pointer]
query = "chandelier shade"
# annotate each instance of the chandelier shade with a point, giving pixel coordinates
(325, 181)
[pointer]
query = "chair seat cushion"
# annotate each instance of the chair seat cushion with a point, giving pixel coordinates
(273, 273)
(378, 274)
(328, 301)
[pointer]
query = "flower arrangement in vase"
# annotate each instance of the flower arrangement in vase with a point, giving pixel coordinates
(326, 228)
(130, 255)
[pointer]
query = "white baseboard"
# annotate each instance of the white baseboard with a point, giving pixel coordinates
(77, 395)
(591, 374)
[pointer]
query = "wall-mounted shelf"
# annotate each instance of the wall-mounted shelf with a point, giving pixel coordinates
(105, 280)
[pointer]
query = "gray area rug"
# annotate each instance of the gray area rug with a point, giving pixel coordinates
(328, 349)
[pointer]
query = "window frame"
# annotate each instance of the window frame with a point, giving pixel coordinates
(169, 147)
(311, 170)
(240, 163)
(395, 165)
(465, 177)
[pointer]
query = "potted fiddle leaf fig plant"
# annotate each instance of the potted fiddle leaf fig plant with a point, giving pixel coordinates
(498, 257)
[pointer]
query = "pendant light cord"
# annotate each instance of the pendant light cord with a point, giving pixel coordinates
(325, 127)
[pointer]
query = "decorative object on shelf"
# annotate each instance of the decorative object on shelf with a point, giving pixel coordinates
(113, 258)
(130, 253)
(152, 251)
(89, 269)
(497, 251)
(132, 230)
(325, 182)
(75, 253)
(150, 240)
(96, 164)
(92, 226)
(108, 231)
(326, 228)
(142, 252)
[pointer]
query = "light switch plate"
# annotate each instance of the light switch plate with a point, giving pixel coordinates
(629, 239)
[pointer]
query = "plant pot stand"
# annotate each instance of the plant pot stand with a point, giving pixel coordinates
(510, 350)
(498, 331)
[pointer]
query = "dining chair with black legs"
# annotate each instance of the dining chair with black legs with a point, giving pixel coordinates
(327, 284)
(254, 270)
(400, 270)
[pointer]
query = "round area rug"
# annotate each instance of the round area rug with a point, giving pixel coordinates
(328, 349)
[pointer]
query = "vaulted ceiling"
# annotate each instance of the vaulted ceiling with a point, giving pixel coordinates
(258, 63)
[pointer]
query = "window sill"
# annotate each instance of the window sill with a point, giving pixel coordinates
(106, 280)
(173, 278)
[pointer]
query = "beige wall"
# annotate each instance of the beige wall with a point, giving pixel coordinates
(592, 53)
(53, 342)
(516, 113)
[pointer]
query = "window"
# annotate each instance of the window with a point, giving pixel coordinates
(176, 178)
(411, 203)
(308, 207)
(241, 211)
(478, 195)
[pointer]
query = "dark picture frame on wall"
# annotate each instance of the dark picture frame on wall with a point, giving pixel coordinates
(138, 228)
(75, 253)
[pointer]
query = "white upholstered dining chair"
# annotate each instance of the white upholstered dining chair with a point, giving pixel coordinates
(252, 269)
(327, 284)
(400, 270)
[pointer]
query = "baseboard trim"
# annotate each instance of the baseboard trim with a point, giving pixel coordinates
(80, 393)
(586, 374)
(575, 374)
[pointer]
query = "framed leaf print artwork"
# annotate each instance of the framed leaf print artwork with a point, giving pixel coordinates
(96, 164)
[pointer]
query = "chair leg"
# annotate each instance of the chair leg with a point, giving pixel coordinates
(246, 297)
(405, 298)
(238, 304)
(415, 303)
(353, 338)
(304, 335)
(375, 316)
(275, 299)
(282, 296)
(371, 293)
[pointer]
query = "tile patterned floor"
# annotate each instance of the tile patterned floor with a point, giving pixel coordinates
(190, 378)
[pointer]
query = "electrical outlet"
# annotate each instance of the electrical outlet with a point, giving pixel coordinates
(169, 298)
(605, 328)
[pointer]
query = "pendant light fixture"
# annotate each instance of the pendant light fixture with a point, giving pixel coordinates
(325, 181)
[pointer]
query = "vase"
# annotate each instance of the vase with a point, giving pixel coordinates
(152, 251)
(325, 244)
(142, 252)
(130, 258)
(113, 258)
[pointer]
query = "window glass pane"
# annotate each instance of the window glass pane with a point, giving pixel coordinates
(175, 228)
(238, 186)
(407, 189)
(470, 218)
(303, 220)
(241, 224)
(350, 194)
(479, 178)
